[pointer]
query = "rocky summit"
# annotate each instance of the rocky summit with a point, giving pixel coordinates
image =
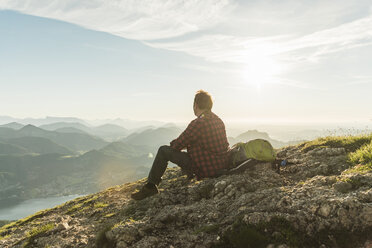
(315, 201)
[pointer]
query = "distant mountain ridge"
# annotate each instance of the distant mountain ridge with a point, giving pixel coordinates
(69, 130)
(9, 149)
(125, 123)
(57, 125)
(110, 132)
(128, 124)
(39, 145)
(153, 137)
(255, 134)
(40, 121)
(33, 162)
(13, 125)
(104, 133)
(73, 141)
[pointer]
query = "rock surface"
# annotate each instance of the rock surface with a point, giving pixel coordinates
(309, 204)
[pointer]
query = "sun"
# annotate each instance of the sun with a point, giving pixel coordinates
(260, 68)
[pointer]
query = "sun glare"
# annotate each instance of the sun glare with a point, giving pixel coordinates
(260, 68)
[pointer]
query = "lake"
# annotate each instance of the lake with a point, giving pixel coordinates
(32, 206)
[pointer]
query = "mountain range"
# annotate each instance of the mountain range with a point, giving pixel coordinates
(65, 158)
(153, 137)
(40, 121)
(74, 141)
(109, 132)
(125, 123)
(33, 145)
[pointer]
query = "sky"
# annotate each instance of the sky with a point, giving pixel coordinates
(269, 61)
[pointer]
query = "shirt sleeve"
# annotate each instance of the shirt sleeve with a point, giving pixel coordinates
(187, 137)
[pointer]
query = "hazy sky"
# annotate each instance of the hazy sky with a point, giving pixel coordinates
(308, 60)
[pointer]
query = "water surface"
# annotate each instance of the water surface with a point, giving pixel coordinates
(32, 206)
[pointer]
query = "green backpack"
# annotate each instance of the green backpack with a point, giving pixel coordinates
(258, 149)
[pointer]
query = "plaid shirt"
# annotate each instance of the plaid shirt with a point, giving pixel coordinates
(206, 143)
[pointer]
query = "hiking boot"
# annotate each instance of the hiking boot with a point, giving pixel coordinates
(146, 191)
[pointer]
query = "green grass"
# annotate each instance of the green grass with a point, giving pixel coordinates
(301, 183)
(37, 232)
(350, 143)
(89, 200)
(5, 222)
(8, 227)
(4, 237)
(74, 208)
(100, 205)
(361, 159)
(81, 205)
(358, 148)
(109, 215)
(355, 182)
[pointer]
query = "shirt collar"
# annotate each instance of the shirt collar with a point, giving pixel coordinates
(204, 113)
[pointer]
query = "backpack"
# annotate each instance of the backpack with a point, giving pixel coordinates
(258, 149)
(248, 154)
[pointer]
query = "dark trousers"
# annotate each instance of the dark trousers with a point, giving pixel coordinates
(164, 155)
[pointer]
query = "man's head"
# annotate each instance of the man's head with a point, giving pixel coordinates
(202, 102)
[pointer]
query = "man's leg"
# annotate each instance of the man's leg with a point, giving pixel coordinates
(165, 154)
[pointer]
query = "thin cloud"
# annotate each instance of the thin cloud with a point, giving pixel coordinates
(151, 20)
(140, 20)
(345, 36)
(224, 48)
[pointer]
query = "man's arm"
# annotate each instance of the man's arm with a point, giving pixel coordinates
(187, 137)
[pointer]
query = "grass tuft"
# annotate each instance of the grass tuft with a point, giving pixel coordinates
(74, 208)
(8, 227)
(4, 237)
(359, 149)
(109, 215)
(82, 206)
(35, 233)
(100, 205)
(350, 143)
(362, 159)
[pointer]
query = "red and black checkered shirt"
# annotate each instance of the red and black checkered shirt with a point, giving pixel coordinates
(206, 143)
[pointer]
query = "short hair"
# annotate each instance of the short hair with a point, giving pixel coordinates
(203, 100)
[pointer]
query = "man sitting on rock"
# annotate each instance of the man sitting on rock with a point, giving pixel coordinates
(206, 143)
